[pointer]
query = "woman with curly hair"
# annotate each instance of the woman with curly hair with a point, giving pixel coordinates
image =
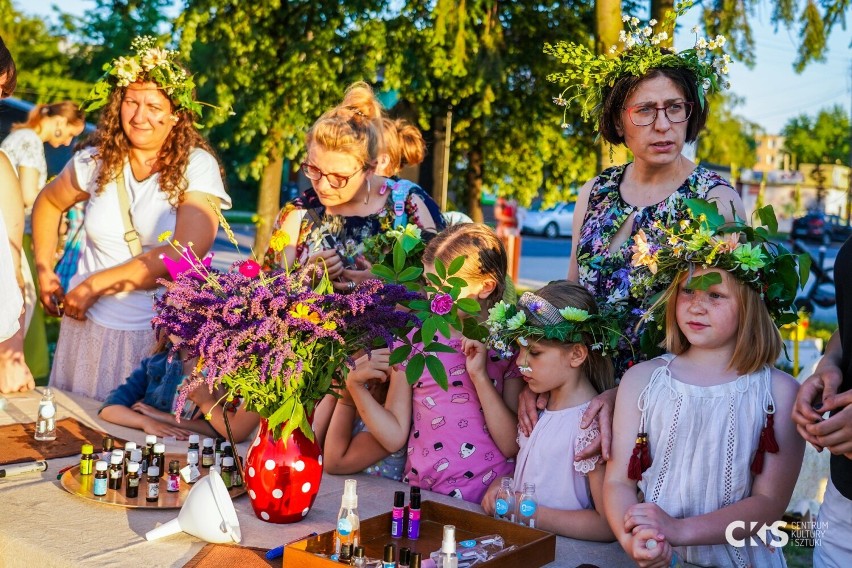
(146, 171)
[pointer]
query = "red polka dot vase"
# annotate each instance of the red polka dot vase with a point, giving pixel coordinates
(282, 478)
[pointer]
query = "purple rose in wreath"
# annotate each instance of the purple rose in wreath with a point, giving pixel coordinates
(442, 304)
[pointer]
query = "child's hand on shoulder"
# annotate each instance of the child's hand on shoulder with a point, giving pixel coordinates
(476, 356)
(369, 367)
(657, 555)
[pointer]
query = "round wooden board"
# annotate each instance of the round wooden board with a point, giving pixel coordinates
(81, 485)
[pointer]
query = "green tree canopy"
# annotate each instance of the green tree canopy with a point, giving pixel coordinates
(727, 138)
(820, 139)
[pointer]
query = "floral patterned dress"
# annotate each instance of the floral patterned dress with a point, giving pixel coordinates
(320, 231)
(607, 273)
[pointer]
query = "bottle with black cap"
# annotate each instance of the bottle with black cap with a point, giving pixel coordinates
(414, 514)
(345, 556)
(389, 558)
(416, 559)
(404, 557)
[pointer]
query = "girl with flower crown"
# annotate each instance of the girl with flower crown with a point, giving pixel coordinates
(703, 432)
(146, 170)
(459, 439)
(652, 101)
(561, 336)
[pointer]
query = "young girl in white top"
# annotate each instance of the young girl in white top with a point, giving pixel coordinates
(560, 341)
(716, 449)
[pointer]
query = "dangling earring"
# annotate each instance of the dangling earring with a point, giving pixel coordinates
(367, 198)
(57, 133)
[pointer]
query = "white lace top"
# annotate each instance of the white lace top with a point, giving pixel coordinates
(546, 458)
(702, 442)
(25, 148)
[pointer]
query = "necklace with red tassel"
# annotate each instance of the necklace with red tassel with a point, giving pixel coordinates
(767, 442)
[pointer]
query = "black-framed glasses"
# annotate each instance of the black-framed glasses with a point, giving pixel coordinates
(336, 181)
(643, 115)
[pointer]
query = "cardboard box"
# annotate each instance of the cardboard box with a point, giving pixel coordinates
(534, 547)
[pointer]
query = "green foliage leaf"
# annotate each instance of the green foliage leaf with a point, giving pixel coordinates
(414, 370)
(468, 305)
(437, 370)
(767, 218)
(708, 209)
(399, 354)
(456, 265)
(410, 274)
(398, 258)
(704, 281)
(436, 347)
(430, 327)
(440, 270)
(383, 272)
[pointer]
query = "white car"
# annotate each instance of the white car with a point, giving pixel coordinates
(557, 221)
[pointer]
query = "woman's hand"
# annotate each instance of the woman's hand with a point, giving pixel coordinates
(151, 412)
(529, 404)
(835, 433)
(489, 500)
(15, 376)
(476, 357)
(51, 293)
(330, 261)
(202, 397)
(79, 299)
(601, 406)
(808, 409)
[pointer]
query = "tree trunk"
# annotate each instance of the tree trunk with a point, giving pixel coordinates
(608, 25)
(439, 139)
(658, 12)
(268, 201)
(473, 183)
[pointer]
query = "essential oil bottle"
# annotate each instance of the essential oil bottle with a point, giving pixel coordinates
(116, 472)
(173, 480)
(207, 454)
(107, 445)
(129, 448)
(159, 456)
(99, 488)
(193, 447)
(228, 471)
(348, 523)
(152, 493)
(131, 489)
(87, 459)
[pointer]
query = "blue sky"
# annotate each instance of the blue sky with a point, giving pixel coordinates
(773, 92)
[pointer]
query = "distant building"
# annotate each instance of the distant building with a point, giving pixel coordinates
(770, 153)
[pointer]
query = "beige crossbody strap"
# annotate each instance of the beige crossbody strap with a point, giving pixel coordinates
(131, 236)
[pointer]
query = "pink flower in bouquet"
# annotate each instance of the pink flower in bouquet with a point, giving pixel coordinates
(249, 269)
(442, 304)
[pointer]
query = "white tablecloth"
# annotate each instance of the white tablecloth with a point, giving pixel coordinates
(43, 525)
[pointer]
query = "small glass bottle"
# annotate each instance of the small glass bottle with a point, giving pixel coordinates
(116, 472)
(504, 504)
(152, 493)
(389, 556)
(146, 459)
(217, 456)
(416, 560)
(404, 557)
(46, 422)
(236, 475)
(447, 557)
(207, 454)
(193, 447)
(228, 471)
(150, 440)
(345, 556)
(87, 459)
(527, 506)
(193, 474)
(99, 488)
(358, 558)
(173, 480)
(128, 451)
(348, 522)
(136, 457)
(159, 458)
(131, 490)
(107, 445)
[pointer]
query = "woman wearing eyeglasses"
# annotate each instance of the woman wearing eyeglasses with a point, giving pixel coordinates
(653, 115)
(348, 201)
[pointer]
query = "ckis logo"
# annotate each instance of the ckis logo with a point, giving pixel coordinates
(769, 535)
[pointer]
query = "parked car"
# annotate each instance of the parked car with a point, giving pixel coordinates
(819, 227)
(556, 221)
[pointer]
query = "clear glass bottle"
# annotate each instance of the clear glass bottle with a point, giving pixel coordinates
(504, 504)
(528, 506)
(447, 557)
(46, 422)
(348, 523)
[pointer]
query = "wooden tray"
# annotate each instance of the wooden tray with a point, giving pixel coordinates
(81, 486)
(534, 547)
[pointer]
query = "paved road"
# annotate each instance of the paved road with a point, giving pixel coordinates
(542, 259)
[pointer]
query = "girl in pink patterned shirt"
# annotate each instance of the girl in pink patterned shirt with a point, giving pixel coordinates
(461, 439)
(561, 338)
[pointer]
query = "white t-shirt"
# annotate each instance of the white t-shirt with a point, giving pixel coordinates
(152, 214)
(10, 306)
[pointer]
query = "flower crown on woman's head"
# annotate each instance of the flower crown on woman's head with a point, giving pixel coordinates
(150, 63)
(508, 324)
(708, 240)
(587, 75)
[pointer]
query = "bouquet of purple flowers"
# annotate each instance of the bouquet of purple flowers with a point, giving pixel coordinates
(280, 340)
